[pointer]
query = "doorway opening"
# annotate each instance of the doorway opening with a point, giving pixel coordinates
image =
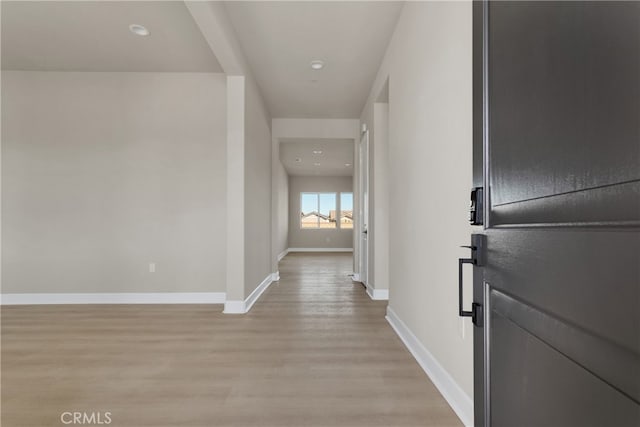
(319, 188)
(372, 237)
(363, 225)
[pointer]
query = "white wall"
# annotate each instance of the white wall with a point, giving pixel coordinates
(316, 128)
(257, 183)
(103, 173)
(337, 238)
(428, 64)
(235, 227)
(249, 144)
(281, 238)
(279, 205)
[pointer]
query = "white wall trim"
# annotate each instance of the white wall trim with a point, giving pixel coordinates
(459, 401)
(115, 298)
(356, 277)
(319, 250)
(377, 294)
(283, 254)
(234, 307)
(275, 276)
(242, 307)
(253, 297)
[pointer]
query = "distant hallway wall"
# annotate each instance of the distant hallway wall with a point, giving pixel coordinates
(321, 238)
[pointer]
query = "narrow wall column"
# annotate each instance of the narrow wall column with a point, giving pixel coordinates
(235, 193)
(380, 198)
(275, 202)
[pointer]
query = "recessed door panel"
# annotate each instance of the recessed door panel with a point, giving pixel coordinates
(537, 386)
(564, 103)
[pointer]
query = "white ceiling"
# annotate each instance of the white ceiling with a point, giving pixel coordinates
(95, 36)
(280, 39)
(335, 154)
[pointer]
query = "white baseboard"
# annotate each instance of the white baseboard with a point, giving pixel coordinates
(115, 298)
(283, 254)
(377, 294)
(242, 307)
(234, 307)
(374, 294)
(459, 401)
(319, 250)
(275, 276)
(253, 297)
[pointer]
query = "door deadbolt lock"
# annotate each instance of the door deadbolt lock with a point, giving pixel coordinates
(476, 211)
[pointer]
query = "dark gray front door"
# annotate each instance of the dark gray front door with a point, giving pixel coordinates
(557, 131)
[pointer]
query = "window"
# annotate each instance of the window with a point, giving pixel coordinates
(318, 210)
(346, 210)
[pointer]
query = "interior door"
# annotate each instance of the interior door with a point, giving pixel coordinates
(557, 126)
(364, 206)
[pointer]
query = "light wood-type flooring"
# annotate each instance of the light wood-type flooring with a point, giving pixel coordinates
(313, 351)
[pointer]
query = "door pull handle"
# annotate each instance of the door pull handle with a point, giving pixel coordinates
(476, 309)
(478, 258)
(461, 311)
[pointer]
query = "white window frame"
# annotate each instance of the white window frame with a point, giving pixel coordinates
(340, 210)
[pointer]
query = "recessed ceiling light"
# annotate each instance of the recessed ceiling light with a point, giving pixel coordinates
(317, 151)
(317, 64)
(347, 164)
(139, 30)
(316, 164)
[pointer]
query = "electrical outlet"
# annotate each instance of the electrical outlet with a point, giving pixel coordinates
(152, 267)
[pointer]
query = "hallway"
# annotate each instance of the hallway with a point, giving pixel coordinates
(313, 351)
